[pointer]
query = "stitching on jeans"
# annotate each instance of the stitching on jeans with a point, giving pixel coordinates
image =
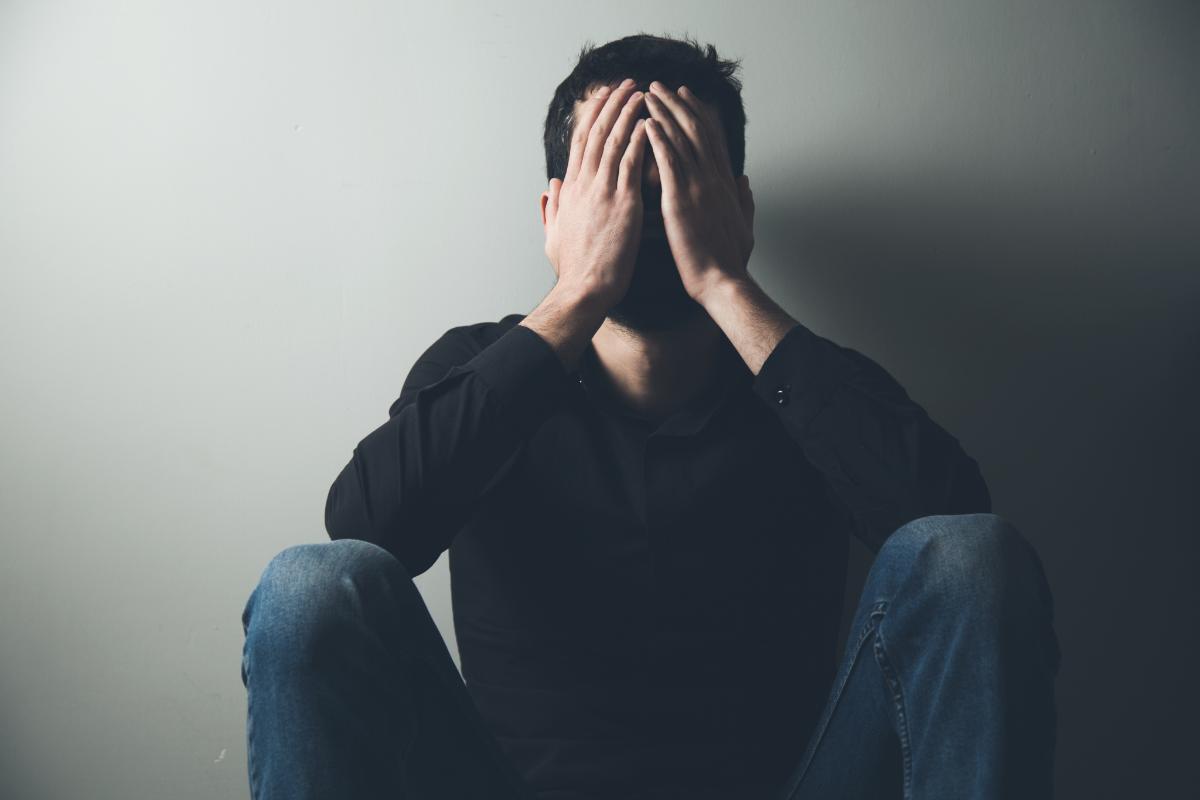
(251, 764)
(893, 682)
(870, 626)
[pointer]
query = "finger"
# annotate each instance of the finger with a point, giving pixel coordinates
(685, 119)
(714, 130)
(684, 150)
(587, 112)
(664, 156)
(618, 139)
(629, 177)
(598, 136)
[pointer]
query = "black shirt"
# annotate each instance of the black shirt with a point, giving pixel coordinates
(646, 609)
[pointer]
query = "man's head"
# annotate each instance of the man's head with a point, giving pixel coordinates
(656, 299)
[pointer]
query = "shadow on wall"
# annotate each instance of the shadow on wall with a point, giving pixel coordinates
(1052, 329)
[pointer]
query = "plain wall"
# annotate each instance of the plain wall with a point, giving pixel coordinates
(227, 230)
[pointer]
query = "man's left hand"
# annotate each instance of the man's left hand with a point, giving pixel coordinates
(708, 213)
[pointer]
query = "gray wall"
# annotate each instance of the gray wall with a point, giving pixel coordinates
(228, 228)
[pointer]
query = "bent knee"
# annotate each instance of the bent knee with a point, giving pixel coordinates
(306, 587)
(980, 559)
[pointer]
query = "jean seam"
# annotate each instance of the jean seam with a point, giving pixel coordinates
(892, 679)
(870, 627)
(251, 766)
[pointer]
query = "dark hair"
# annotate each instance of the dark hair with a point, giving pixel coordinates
(645, 58)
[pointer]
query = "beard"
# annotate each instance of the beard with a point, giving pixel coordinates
(656, 299)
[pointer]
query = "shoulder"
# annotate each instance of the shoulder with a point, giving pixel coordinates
(454, 347)
(460, 343)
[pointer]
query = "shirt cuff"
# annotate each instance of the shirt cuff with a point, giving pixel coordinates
(523, 371)
(800, 376)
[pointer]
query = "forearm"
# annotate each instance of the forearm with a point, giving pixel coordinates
(884, 460)
(752, 321)
(567, 318)
(463, 414)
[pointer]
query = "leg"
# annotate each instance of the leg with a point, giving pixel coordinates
(946, 688)
(351, 692)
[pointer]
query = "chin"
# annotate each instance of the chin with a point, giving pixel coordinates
(656, 299)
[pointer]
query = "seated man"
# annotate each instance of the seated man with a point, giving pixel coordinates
(646, 487)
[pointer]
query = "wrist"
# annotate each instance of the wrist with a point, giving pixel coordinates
(579, 299)
(567, 318)
(724, 290)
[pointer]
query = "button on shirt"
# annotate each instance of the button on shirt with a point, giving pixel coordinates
(646, 609)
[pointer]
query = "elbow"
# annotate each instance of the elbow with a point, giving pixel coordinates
(346, 512)
(970, 494)
(336, 524)
(346, 518)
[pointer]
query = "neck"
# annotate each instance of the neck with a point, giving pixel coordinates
(654, 373)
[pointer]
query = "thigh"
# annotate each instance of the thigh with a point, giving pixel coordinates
(452, 753)
(853, 753)
(353, 692)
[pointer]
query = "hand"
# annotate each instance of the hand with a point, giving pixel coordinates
(708, 214)
(593, 217)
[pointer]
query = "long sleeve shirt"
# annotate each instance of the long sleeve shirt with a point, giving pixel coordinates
(646, 609)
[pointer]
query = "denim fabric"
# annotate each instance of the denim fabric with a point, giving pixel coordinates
(945, 690)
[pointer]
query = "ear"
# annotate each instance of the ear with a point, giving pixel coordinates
(746, 197)
(549, 201)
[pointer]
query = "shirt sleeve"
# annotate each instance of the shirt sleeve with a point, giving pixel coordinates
(884, 460)
(455, 431)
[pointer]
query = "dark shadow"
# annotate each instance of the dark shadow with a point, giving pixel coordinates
(1057, 336)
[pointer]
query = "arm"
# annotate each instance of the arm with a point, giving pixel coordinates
(884, 460)
(464, 412)
(456, 430)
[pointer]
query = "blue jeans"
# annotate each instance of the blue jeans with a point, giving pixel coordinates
(945, 688)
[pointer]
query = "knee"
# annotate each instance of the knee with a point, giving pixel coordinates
(977, 562)
(306, 592)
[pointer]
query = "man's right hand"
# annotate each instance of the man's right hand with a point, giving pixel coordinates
(594, 214)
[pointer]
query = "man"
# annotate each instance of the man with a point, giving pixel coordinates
(645, 486)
